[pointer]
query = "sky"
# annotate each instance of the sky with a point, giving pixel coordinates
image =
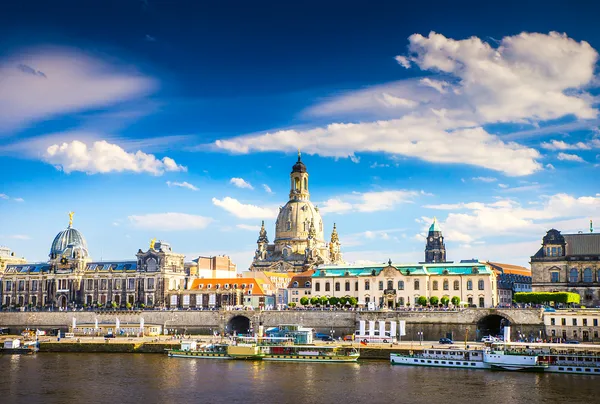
(181, 120)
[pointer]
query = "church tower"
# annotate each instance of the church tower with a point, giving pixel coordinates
(299, 181)
(435, 251)
(335, 254)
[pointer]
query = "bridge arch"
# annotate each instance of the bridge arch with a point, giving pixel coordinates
(238, 325)
(492, 324)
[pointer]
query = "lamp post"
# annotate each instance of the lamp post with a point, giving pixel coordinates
(420, 334)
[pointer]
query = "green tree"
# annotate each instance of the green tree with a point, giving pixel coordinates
(343, 301)
(304, 301)
(434, 300)
(334, 301)
(128, 306)
(113, 305)
(444, 300)
(422, 300)
(314, 300)
(292, 304)
(353, 302)
(324, 300)
(455, 300)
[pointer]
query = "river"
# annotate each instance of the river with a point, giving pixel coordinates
(147, 378)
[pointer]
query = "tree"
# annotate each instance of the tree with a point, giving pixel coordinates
(547, 297)
(343, 301)
(128, 306)
(444, 300)
(455, 300)
(324, 300)
(314, 300)
(422, 300)
(353, 302)
(292, 304)
(334, 301)
(304, 301)
(434, 300)
(113, 305)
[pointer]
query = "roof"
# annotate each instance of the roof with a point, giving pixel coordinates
(301, 278)
(28, 268)
(439, 268)
(112, 265)
(434, 226)
(582, 244)
(511, 269)
(68, 238)
(228, 283)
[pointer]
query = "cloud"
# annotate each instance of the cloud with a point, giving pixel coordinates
(240, 183)
(560, 145)
(182, 185)
(367, 201)
(104, 157)
(245, 211)
(44, 82)
(4, 196)
(550, 166)
(440, 86)
(485, 179)
(170, 221)
(267, 189)
(19, 200)
(248, 227)
(570, 157)
(403, 61)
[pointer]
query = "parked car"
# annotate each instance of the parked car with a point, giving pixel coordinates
(110, 336)
(447, 341)
(349, 337)
(320, 335)
(571, 341)
(489, 338)
(327, 338)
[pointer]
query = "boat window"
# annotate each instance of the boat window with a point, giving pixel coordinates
(451, 363)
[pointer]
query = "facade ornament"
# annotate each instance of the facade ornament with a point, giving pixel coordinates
(152, 242)
(71, 218)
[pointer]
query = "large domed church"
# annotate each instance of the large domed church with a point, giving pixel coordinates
(299, 242)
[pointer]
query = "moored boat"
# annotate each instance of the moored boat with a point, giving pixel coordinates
(14, 347)
(190, 349)
(442, 357)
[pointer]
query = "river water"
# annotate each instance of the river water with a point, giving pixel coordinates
(147, 378)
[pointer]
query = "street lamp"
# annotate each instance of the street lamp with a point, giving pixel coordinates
(420, 334)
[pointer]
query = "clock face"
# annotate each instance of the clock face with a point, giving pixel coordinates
(430, 238)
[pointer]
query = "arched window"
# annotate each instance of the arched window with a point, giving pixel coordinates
(469, 285)
(305, 183)
(317, 287)
(367, 285)
(337, 286)
(347, 286)
(390, 284)
(481, 284)
(327, 287)
(587, 275)
(446, 284)
(456, 285)
(573, 275)
(400, 285)
(417, 284)
(435, 285)
(356, 286)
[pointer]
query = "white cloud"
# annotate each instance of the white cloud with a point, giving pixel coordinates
(104, 157)
(485, 179)
(248, 227)
(45, 82)
(245, 211)
(560, 145)
(19, 200)
(550, 166)
(240, 183)
(4, 196)
(570, 157)
(403, 61)
(267, 189)
(182, 185)
(170, 221)
(438, 85)
(367, 201)
(389, 100)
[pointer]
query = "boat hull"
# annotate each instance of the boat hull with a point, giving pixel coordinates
(311, 358)
(574, 370)
(198, 355)
(396, 359)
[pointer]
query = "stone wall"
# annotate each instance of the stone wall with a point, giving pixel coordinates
(433, 324)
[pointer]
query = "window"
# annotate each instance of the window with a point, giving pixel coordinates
(481, 284)
(347, 286)
(552, 321)
(554, 251)
(367, 285)
(573, 275)
(130, 283)
(587, 275)
(563, 321)
(34, 286)
(150, 283)
(469, 285)
(435, 285)
(337, 286)
(327, 287)
(380, 285)
(470, 300)
(595, 322)
(117, 284)
(400, 285)
(555, 277)
(317, 287)
(21, 285)
(481, 302)
(295, 284)
(446, 284)
(417, 284)
(90, 284)
(574, 321)
(585, 322)
(103, 284)
(456, 285)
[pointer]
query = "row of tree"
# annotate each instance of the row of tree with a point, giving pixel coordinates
(547, 297)
(351, 301)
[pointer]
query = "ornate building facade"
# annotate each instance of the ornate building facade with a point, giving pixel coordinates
(299, 242)
(568, 263)
(71, 278)
(435, 250)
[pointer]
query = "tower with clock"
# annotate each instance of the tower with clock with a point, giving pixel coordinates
(435, 251)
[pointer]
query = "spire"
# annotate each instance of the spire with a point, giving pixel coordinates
(299, 155)
(262, 235)
(71, 218)
(434, 226)
(334, 235)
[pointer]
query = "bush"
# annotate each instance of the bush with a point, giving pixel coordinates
(455, 300)
(292, 304)
(314, 300)
(547, 297)
(324, 300)
(353, 302)
(343, 301)
(422, 300)
(304, 301)
(128, 306)
(434, 300)
(334, 301)
(444, 300)
(113, 305)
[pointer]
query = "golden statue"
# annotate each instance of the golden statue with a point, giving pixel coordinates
(152, 243)
(71, 218)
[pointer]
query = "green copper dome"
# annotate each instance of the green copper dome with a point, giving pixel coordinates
(434, 226)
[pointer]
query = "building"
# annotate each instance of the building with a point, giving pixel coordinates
(7, 257)
(71, 278)
(435, 250)
(300, 286)
(211, 267)
(568, 263)
(218, 293)
(391, 286)
(299, 242)
(580, 325)
(511, 279)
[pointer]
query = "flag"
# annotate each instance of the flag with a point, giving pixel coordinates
(363, 342)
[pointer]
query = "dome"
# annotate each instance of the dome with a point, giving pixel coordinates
(553, 236)
(299, 167)
(69, 242)
(294, 220)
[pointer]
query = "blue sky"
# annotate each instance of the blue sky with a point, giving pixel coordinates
(181, 120)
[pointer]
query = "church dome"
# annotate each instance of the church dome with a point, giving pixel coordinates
(69, 242)
(294, 221)
(299, 167)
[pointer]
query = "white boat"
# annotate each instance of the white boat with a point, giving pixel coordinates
(190, 349)
(499, 359)
(443, 358)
